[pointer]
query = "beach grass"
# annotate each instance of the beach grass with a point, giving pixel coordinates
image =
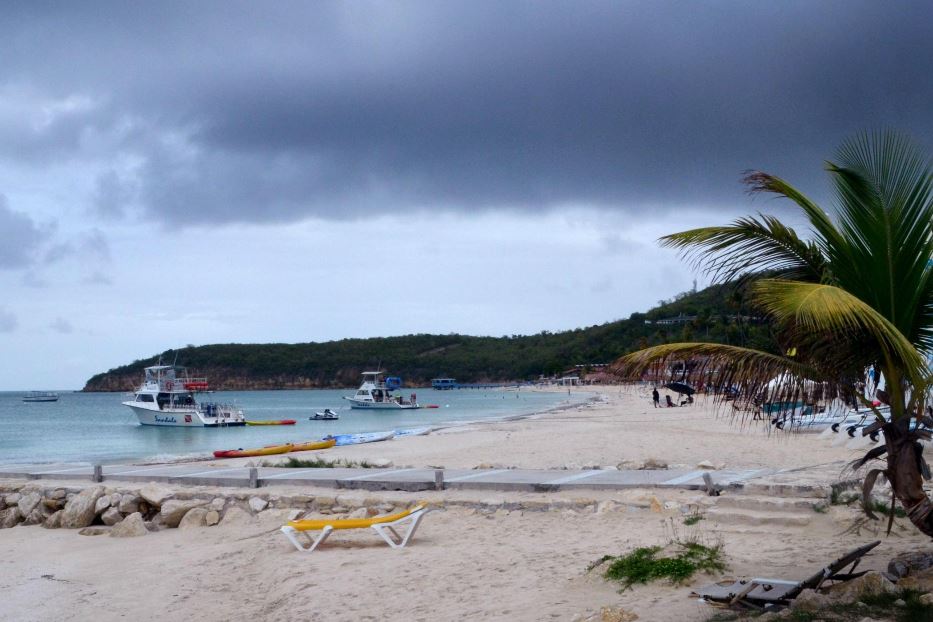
(319, 463)
(676, 562)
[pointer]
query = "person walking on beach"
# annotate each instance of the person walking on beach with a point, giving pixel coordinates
(656, 397)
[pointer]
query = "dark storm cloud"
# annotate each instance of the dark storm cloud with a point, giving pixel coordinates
(220, 112)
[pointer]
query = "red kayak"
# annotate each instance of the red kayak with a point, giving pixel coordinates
(431, 406)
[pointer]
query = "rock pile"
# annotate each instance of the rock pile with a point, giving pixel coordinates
(127, 511)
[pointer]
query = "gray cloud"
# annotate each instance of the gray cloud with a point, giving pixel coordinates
(294, 110)
(86, 246)
(21, 238)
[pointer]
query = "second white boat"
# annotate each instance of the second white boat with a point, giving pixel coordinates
(377, 393)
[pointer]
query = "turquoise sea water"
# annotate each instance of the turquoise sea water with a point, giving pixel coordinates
(97, 428)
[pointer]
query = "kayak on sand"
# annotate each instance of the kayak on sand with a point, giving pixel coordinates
(273, 450)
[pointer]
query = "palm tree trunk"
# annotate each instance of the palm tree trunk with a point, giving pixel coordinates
(905, 475)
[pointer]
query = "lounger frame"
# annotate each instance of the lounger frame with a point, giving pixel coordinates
(386, 531)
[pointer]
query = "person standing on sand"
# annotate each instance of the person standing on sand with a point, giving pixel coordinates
(656, 397)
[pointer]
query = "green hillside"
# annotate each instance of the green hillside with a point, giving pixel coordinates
(718, 313)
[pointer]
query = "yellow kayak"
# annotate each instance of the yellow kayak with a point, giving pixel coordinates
(271, 450)
(314, 445)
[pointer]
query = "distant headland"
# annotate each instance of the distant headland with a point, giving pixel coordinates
(718, 313)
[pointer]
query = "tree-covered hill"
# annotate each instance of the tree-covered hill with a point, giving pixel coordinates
(717, 313)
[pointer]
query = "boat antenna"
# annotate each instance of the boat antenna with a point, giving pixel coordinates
(176, 358)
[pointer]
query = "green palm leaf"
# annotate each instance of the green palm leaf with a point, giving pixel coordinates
(749, 245)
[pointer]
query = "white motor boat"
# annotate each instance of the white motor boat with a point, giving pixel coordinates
(377, 393)
(166, 398)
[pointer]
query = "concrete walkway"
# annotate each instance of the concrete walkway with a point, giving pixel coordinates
(411, 479)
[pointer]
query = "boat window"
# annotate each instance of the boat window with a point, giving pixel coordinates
(362, 392)
(145, 397)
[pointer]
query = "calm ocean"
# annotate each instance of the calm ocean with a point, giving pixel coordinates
(96, 427)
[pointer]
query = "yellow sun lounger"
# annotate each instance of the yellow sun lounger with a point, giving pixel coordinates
(382, 525)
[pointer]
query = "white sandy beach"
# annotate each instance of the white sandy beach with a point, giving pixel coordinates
(466, 563)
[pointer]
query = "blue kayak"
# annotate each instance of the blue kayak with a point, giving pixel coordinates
(356, 439)
(413, 432)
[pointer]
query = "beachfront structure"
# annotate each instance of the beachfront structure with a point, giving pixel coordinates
(443, 384)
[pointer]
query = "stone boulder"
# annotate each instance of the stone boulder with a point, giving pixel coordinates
(870, 583)
(102, 504)
(237, 516)
(174, 510)
(129, 504)
(195, 517)
(12, 498)
(80, 510)
(53, 505)
(155, 495)
(28, 502)
(111, 516)
(653, 464)
(94, 530)
(905, 563)
(131, 526)
(58, 493)
(257, 504)
(54, 521)
(212, 518)
(37, 516)
(10, 517)
(810, 601)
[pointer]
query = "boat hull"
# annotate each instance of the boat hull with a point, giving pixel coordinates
(178, 418)
(368, 405)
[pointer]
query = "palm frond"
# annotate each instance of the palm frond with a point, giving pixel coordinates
(828, 236)
(884, 186)
(749, 245)
(724, 366)
(833, 314)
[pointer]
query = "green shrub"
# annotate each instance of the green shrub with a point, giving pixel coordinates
(644, 564)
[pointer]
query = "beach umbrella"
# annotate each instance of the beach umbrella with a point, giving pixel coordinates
(680, 387)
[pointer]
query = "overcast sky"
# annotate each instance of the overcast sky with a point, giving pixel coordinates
(204, 172)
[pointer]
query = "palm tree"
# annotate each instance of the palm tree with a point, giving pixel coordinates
(856, 291)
